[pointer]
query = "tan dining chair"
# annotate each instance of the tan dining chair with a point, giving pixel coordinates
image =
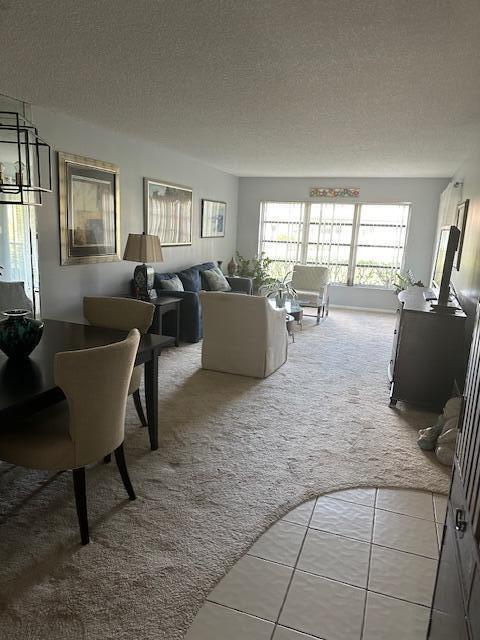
(85, 428)
(124, 314)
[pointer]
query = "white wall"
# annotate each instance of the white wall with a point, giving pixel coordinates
(62, 288)
(423, 193)
(469, 175)
(467, 280)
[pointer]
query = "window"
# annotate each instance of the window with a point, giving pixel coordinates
(362, 244)
(18, 249)
(282, 225)
(382, 229)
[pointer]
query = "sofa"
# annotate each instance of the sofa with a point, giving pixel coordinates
(191, 328)
(247, 337)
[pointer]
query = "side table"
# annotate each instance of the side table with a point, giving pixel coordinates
(290, 320)
(165, 305)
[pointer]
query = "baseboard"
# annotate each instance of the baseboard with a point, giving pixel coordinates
(372, 309)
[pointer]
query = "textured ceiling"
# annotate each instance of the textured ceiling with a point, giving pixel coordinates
(261, 87)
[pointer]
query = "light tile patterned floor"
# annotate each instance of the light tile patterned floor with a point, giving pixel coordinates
(353, 565)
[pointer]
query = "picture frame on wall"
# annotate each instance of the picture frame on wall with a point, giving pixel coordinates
(213, 218)
(168, 212)
(461, 223)
(89, 206)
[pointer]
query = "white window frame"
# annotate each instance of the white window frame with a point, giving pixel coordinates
(303, 246)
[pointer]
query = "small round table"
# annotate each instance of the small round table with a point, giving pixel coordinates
(290, 320)
(294, 309)
(294, 314)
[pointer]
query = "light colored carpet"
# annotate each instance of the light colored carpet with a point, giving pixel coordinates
(235, 454)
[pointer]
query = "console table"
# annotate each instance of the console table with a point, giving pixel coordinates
(427, 351)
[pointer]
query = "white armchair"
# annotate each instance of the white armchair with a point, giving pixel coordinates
(242, 334)
(311, 285)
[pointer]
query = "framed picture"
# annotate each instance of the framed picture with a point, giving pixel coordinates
(461, 223)
(168, 212)
(89, 194)
(213, 218)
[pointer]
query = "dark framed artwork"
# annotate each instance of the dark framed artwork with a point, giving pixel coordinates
(213, 218)
(461, 223)
(168, 212)
(89, 204)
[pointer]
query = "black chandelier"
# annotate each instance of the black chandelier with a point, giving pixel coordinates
(25, 161)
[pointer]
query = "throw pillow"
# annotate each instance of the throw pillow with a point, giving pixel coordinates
(214, 280)
(190, 279)
(172, 284)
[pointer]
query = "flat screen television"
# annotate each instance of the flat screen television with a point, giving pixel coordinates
(446, 249)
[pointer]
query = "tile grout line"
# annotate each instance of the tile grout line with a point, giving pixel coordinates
(388, 595)
(384, 546)
(398, 513)
(245, 613)
(406, 515)
(368, 570)
(293, 571)
(342, 582)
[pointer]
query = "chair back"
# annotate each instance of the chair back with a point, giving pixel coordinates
(13, 296)
(118, 313)
(242, 334)
(233, 316)
(310, 278)
(95, 383)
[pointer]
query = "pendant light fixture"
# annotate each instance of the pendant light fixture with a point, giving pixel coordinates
(25, 160)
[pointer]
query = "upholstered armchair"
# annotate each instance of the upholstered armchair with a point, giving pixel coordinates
(242, 334)
(311, 285)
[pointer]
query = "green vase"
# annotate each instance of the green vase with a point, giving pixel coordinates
(19, 335)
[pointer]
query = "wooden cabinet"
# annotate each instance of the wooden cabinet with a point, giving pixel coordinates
(427, 349)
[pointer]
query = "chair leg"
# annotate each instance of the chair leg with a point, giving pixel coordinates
(107, 459)
(318, 314)
(122, 467)
(81, 503)
(138, 406)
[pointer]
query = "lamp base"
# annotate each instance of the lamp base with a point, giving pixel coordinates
(143, 277)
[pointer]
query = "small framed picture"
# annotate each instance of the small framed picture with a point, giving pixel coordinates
(168, 212)
(89, 194)
(213, 218)
(462, 212)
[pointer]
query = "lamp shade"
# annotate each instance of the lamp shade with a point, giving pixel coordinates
(142, 247)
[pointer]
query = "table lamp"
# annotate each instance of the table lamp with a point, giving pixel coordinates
(142, 247)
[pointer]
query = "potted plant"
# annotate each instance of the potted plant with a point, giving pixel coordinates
(406, 280)
(258, 269)
(281, 289)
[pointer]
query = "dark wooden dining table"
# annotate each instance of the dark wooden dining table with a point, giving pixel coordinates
(28, 385)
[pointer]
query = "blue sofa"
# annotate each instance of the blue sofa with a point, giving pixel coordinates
(191, 328)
